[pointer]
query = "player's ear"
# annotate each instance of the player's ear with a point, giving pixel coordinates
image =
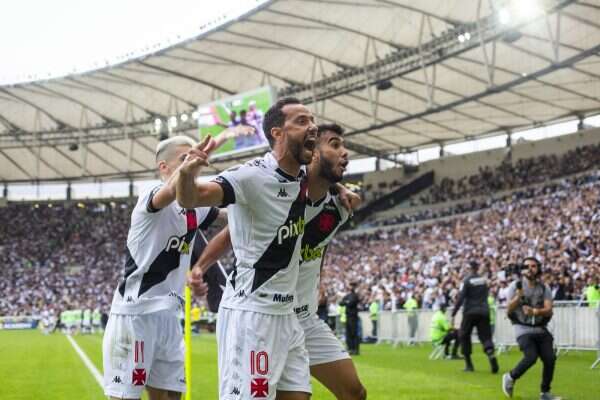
(162, 166)
(316, 155)
(277, 133)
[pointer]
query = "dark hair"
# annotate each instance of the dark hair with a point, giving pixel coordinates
(335, 128)
(274, 117)
(536, 261)
(474, 265)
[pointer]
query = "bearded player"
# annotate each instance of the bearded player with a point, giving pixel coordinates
(329, 361)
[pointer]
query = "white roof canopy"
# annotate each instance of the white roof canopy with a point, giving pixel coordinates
(458, 69)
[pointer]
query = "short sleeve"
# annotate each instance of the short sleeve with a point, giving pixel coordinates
(144, 203)
(547, 293)
(510, 292)
(344, 214)
(235, 183)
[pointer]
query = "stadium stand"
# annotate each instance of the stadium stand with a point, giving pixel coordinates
(557, 221)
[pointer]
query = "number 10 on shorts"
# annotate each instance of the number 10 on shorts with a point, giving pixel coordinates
(259, 363)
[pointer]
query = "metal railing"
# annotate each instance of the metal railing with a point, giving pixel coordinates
(574, 327)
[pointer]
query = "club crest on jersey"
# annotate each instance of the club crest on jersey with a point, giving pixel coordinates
(178, 243)
(290, 230)
(309, 253)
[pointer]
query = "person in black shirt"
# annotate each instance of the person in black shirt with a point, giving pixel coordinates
(476, 313)
(350, 301)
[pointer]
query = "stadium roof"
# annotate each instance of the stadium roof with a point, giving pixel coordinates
(458, 69)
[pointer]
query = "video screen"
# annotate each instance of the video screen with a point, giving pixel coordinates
(245, 109)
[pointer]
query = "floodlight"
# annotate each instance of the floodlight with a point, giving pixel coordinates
(504, 16)
(527, 8)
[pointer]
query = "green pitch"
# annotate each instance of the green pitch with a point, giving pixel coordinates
(34, 366)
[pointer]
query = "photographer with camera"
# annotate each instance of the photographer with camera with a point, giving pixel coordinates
(473, 297)
(530, 310)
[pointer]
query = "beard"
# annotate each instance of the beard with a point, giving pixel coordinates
(327, 170)
(297, 149)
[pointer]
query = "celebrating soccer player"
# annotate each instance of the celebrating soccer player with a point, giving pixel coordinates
(143, 344)
(329, 362)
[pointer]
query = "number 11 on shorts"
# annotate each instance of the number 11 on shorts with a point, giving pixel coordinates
(259, 363)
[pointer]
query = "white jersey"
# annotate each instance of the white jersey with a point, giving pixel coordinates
(158, 255)
(266, 220)
(323, 219)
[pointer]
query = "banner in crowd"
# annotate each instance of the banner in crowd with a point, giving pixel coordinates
(247, 109)
(18, 323)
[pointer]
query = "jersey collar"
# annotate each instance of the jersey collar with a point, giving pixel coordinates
(272, 162)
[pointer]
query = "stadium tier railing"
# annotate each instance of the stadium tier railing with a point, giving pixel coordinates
(573, 326)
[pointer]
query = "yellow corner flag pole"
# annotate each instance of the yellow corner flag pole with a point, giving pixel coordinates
(187, 333)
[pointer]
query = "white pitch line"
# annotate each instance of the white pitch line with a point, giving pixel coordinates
(90, 366)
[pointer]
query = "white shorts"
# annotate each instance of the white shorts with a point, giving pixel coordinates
(260, 354)
(322, 345)
(143, 350)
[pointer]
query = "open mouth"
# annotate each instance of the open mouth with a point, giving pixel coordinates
(344, 165)
(309, 144)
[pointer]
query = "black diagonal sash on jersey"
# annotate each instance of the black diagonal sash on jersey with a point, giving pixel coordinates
(130, 267)
(215, 277)
(277, 256)
(317, 230)
(168, 259)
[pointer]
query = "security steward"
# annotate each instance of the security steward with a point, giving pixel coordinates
(530, 310)
(473, 297)
(351, 301)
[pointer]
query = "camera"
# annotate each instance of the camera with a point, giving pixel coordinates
(513, 269)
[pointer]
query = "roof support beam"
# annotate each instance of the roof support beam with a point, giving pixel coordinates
(17, 165)
(185, 76)
(505, 86)
(336, 26)
(554, 38)
(490, 64)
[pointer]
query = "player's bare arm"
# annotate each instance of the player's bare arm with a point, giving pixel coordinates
(166, 194)
(214, 250)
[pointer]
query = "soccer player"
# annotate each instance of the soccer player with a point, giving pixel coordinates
(143, 344)
(87, 321)
(260, 342)
(329, 362)
(96, 316)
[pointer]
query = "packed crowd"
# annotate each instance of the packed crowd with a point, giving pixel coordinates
(474, 190)
(66, 257)
(510, 175)
(427, 261)
(57, 258)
